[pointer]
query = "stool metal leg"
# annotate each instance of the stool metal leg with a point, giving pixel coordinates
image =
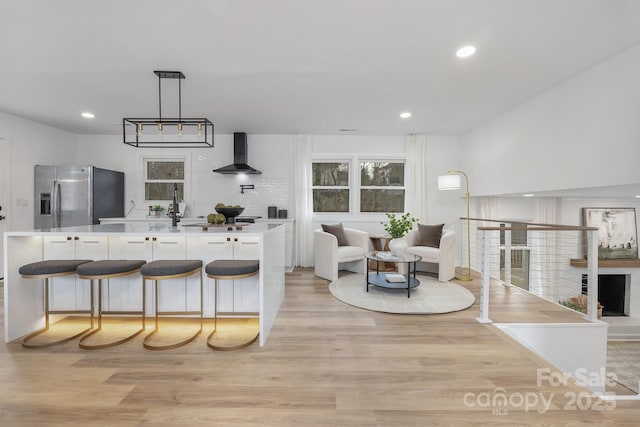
(26, 340)
(215, 314)
(210, 338)
(146, 343)
(86, 346)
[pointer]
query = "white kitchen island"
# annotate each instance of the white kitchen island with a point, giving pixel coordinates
(259, 296)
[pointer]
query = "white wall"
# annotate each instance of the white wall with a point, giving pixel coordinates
(581, 133)
(271, 154)
(31, 144)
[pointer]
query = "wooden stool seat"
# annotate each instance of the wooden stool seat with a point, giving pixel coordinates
(164, 270)
(108, 269)
(237, 335)
(47, 270)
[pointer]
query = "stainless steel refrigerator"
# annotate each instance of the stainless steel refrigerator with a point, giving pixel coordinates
(76, 195)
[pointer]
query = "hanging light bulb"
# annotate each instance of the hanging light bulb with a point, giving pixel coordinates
(160, 127)
(199, 129)
(139, 129)
(179, 129)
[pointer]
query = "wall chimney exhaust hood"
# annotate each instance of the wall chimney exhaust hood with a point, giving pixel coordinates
(239, 164)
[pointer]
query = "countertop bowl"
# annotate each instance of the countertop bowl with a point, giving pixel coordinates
(230, 213)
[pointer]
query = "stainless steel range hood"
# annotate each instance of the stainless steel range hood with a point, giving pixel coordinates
(239, 164)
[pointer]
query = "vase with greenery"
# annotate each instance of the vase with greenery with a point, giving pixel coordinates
(157, 209)
(397, 227)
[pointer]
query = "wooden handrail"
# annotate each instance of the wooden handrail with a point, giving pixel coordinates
(536, 226)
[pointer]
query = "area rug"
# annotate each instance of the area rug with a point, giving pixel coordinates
(430, 297)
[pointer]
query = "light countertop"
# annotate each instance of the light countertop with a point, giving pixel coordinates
(157, 228)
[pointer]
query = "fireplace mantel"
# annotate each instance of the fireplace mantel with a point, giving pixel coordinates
(608, 263)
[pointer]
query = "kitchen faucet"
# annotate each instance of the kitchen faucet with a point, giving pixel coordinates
(176, 207)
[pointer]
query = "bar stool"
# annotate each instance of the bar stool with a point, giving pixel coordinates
(108, 269)
(164, 270)
(47, 270)
(230, 269)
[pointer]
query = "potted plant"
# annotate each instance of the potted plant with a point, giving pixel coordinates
(580, 304)
(158, 209)
(397, 227)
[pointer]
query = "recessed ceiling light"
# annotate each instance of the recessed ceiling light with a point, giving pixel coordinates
(405, 115)
(638, 196)
(527, 195)
(88, 115)
(465, 51)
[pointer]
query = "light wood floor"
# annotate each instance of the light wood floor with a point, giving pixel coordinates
(325, 363)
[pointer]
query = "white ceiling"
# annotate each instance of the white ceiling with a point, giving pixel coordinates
(285, 66)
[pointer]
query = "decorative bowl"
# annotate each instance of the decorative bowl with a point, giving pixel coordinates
(230, 213)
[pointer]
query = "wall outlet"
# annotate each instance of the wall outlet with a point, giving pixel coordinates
(22, 202)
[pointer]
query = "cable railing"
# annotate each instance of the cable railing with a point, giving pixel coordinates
(558, 263)
(537, 258)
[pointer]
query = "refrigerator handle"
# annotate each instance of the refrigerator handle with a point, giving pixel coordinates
(53, 204)
(56, 204)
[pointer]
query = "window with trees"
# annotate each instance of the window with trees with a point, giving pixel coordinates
(160, 176)
(378, 186)
(331, 186)
(381, 186)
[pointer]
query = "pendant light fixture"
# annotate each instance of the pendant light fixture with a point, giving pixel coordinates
(168, 132)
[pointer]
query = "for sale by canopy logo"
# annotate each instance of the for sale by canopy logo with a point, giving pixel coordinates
(499, 400)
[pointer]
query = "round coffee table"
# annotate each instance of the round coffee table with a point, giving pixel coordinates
(393, 280)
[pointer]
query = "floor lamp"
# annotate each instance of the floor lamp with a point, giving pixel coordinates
(452, 181)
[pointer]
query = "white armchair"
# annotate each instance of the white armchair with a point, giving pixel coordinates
(444, 256)
(329, 257)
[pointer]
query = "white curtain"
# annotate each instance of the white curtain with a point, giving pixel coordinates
(544, 248)
(303, 147)
(416, 200)
(489, 208)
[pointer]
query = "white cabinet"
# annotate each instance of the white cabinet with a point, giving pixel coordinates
(210, 248)
(246, 294)
(239, 296)
(172, 293)
(69, 292)
(124, 293)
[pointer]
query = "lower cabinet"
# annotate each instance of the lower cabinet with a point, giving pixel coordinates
(246, 293)
(209, 248)
(237, 296)
(124, 293)
(70, 292)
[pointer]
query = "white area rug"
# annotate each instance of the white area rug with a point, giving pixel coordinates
(430, 297)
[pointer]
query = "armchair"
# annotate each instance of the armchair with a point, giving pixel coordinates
(329, 257)
(444, 256)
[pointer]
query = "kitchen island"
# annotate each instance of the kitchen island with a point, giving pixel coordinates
(259, 296)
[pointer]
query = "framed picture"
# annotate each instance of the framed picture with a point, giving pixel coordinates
(617, 235)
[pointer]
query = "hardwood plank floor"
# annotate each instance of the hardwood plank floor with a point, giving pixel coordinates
(325, 363)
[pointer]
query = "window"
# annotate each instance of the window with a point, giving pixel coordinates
(330, 186)
(381, 186)
(159, 177)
